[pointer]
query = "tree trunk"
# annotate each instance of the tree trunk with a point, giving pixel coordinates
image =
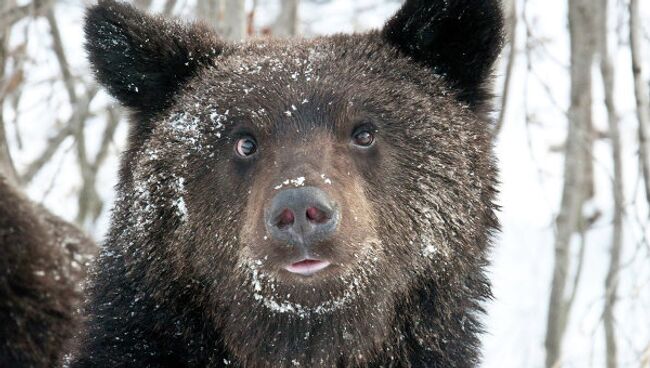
(286, 24)
(228, 17)
(143, 4)
(641, 93)
(210, 11)
(611, 282)
(7, 168)
(577, 186)
(234, 20)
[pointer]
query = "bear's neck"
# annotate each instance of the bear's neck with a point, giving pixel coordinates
(167, 327)
(424, 329)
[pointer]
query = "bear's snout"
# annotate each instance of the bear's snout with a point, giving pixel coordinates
(302, 217)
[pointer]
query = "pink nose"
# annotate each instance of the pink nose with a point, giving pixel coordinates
(302, 216)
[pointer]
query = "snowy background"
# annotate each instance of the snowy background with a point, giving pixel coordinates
(531, 168)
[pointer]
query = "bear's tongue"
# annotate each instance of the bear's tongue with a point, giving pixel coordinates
(307, 266)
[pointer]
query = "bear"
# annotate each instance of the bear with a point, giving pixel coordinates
(324, 202)
(43, 262)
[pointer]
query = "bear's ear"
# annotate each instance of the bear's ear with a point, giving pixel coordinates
(143, 60)
(459, 39)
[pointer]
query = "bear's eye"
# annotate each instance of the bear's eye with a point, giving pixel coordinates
(364, 136)
(246, 146)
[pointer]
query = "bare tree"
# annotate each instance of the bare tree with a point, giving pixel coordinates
(577, 186)
(7, 168)
(611, 282)
(142, 4)
(210, 11)
(641, 93)
(234, 20)
(10, 12)
(645, 358)
(88, 200)
(228, 17)
(286, 24)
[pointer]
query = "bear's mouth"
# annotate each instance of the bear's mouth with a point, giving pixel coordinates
(307, 267)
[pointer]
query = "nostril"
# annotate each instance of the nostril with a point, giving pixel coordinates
(316, 215)
(285, 219)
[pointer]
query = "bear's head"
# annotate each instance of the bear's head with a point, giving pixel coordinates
(307, 196)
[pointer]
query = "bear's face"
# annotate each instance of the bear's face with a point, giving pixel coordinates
(307, 118)
(305, 185)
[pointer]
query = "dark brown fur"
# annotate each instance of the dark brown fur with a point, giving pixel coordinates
(190, 277)
(43, 261)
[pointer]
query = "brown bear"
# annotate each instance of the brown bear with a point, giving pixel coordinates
(317, 203)
(43, 261)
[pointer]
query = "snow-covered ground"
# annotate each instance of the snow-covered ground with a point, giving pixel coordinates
(531, 175)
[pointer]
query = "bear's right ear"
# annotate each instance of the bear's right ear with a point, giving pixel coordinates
(144, 60)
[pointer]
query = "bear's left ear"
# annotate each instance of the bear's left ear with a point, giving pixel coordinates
(459, 39)
(144, 60)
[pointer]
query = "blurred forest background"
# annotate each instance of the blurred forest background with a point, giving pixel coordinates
(571, 268)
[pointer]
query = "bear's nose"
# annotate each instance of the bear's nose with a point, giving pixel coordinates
(302, 216)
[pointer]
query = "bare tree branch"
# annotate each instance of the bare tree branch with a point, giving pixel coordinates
(10, 16)
(611, 281)
(57, 46)
(88, 197)
(53, 145)
(81, 113)
(641, 93)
